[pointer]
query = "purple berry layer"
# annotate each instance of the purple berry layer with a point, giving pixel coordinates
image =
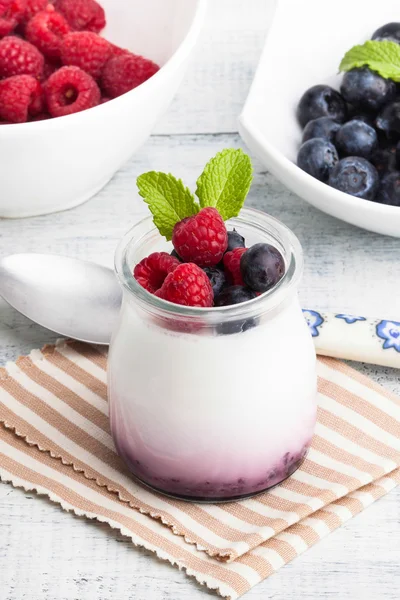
(217, 488)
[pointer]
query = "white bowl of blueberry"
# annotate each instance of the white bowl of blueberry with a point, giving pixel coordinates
(323, 113)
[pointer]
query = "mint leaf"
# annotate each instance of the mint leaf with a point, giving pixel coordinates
(225, 182)
(383, 57)
(168, 199)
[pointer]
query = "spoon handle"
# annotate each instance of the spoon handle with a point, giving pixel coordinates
(350, 337)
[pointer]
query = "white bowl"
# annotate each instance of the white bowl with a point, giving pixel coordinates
(52, 165)
(303, 48)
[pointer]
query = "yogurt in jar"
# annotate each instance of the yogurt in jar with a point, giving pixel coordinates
(200, 413)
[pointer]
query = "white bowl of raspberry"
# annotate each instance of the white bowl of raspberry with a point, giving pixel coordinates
(81, 88)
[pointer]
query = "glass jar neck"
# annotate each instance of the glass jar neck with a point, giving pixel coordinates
(255, 226)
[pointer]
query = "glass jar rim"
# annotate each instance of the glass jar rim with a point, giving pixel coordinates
(264, 303)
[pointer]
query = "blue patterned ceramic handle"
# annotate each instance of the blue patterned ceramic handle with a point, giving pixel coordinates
(375, 341)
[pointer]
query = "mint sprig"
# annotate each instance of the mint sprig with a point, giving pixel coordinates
(382, 57)
(168, 199)
(224, 185)
(225, 182)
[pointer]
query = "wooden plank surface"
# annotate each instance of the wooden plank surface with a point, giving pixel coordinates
(46, 554)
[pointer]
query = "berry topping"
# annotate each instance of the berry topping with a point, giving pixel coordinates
(232, 265)
(355, 176)
(46, 30)
(188, 285)
(217, 279)
(152, 271)
(86, 50)
(324, 127)
(70, 90)
(317, 157)
(11, 13)
(176, 255)
(321, 101)
(82, 14)
(356, 138)
(235, 294)
(202, 238)
(235, 240)
(20, 96)
(18, 57)
(125, 72)
(262, 267)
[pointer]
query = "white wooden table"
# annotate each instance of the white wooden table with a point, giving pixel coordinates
(47, 554)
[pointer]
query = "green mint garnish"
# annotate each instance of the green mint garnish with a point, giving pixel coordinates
(382, 57)
(225, 182)
(224, 185)
(168, 199)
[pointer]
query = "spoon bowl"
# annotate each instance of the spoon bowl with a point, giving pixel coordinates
(72, 297)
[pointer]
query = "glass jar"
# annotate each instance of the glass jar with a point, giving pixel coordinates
(212, 404)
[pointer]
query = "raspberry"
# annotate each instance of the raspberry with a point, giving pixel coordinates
(18, 57)
(41, 117)
(49, 69)
(45, 30)
(187, 285)
(32, 7)
(70, 90)
(118, 51)
(85, 15)
(152, 271)
(20, 96)
(201, 239)
(86, 50)
(124, 72)
(11, 13)
(232, 265)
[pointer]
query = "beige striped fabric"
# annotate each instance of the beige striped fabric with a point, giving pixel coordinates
(55, 439)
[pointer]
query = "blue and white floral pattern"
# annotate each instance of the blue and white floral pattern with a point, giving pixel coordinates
(314, 320)
(390, 332)
(350, 319)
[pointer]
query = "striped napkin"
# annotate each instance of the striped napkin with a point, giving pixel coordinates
(55, 439)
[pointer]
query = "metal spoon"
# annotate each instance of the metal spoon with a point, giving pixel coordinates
(72, 297)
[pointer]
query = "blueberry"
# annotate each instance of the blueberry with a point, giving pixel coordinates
(368, 119)
(321, 101)
(355, 176)
(398, 154)
(366, 89)
(236, 294)
(262, 267)
(385, 160)
(356, 138)
(217, 279)
(317, 157)
(389, 189)
(235, 240)
(389, 32)
(176, 255)
(324, 127)
(388, 120)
